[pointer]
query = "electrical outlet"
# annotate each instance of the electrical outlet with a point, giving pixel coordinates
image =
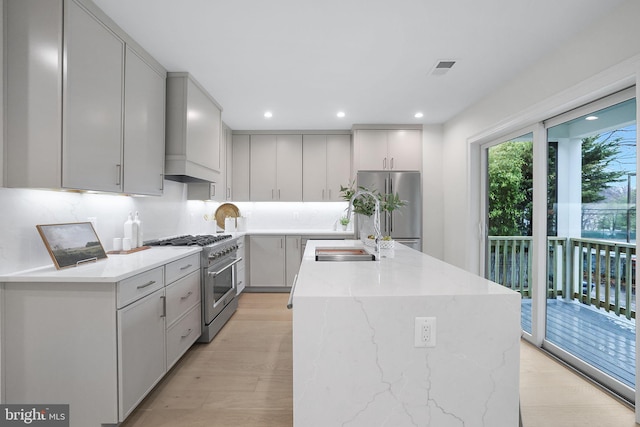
(425, 332)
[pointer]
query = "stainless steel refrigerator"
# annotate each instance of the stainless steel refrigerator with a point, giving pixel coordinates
(404, 225)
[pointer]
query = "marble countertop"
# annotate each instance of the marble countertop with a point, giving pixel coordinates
(403, 272)
(359, 356)
(296, 232)
(112, 269)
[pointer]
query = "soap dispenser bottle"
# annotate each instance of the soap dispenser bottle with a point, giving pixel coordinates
(137, 227)
(128, 231)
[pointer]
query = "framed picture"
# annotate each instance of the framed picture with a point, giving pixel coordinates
(71, 244)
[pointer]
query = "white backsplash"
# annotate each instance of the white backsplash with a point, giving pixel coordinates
(292, 215)
(22, 248)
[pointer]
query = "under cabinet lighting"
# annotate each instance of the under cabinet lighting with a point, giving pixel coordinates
(591, 118)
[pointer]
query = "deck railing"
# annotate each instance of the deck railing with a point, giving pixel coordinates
(594, 272)
(510, 264)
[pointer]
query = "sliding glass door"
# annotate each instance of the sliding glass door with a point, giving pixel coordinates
(578, 286)
(509, 217)
(590, 302)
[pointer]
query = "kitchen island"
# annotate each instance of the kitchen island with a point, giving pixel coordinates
(354, 358)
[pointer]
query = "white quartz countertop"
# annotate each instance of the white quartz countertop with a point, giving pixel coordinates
(112, 269)
(299, 232)
(359, 356)
(404, 272)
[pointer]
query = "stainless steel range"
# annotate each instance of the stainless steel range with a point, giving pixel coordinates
(218, 279)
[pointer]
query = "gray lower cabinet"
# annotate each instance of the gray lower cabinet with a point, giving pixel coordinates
(141, 349)
(294, 257)
(274, 260)
(267, 261)
(241, 276)
(99, 346)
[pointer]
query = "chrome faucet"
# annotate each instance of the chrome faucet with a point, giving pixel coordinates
(376, 215)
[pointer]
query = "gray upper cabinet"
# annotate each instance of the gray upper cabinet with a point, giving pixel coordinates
(240, 169)
(276, 168)
(33, 93)
(388, 149)
(326, 165)
(92, 104)
(77, 115)
(263, 186)
(144, 109)
(193, 149)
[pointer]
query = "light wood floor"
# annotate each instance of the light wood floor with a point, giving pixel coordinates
(243, 379)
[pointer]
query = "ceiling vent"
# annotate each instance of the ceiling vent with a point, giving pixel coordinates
(442, 67)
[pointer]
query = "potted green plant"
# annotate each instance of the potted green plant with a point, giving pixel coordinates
(344, 221)
(390, 202)
(362, 205)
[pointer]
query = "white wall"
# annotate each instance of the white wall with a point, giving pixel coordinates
(600, 60)
(432, 191)
(22, 248)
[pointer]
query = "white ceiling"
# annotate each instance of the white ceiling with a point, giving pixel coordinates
(305, 60)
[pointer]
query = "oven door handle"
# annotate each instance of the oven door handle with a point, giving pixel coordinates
(234, 262)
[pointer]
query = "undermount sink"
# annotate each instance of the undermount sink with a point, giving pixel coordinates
(343, 254)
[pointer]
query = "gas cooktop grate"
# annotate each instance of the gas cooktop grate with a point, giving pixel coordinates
(189, 240)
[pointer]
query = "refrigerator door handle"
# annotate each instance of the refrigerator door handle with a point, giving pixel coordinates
(391, 213)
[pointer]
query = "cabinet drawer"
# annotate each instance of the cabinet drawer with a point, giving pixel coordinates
(183, 334)
(182, 295)
(182, 267)
(133, 288)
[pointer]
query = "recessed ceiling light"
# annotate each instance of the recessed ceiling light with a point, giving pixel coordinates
(591, 118)
(418, 115)
(268, 114)
(340, 114)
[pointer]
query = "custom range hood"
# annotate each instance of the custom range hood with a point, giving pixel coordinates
(193, 126)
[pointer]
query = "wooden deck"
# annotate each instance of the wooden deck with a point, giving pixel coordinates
(604, 340)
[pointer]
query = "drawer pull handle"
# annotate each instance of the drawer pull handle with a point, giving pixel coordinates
(186, 266)
(187, 334)
(187, 295)
(151, 282)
